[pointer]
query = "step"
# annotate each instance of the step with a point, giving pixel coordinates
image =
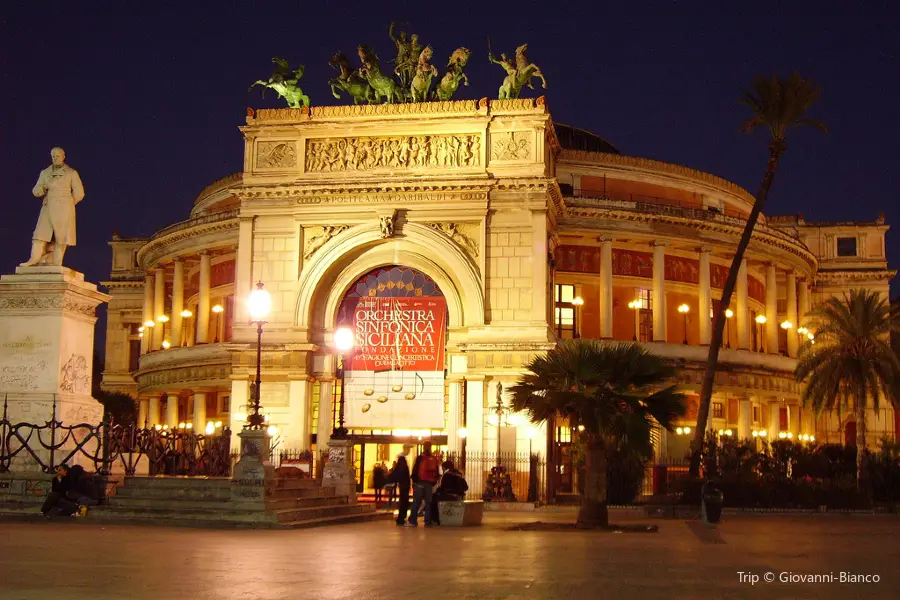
(211, 494)
(178, 482)
(297, 484)
(227, 513)
(323, 500)
(311, 492)
(338, 520)
(286, 515)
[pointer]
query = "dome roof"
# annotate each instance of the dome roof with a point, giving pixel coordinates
(573, 138)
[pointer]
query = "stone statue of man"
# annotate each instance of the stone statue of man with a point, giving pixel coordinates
(60, 187)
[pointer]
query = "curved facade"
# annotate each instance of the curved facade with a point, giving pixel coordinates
(528, 234)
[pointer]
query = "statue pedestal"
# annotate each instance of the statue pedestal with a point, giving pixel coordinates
(47, 317)
(253, 475)
(338, 471)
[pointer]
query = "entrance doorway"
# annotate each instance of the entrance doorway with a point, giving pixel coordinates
(369, 450)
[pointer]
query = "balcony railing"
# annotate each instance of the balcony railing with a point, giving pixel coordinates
(674, 208)
(225, 215)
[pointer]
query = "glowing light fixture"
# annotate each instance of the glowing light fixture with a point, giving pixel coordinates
(187, 314)
(259, 303)
(787, 325)
(761, 319)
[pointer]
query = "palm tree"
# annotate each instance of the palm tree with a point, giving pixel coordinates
(851, 359)
(777, 104)
(617, 392)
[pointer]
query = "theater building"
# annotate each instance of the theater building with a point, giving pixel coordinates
(457, 240)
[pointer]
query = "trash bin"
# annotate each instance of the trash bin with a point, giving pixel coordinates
(711, 502)
(660, 479)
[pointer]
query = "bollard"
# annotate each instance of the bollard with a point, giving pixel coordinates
(711, 502)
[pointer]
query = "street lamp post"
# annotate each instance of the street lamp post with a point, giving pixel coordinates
(343, 341)
(217, 310)
(577, 302)
(684, 309)
(760, 321)
(500, 412)
(728, 314)
(635, 305)
(259, 304)
(185, 314)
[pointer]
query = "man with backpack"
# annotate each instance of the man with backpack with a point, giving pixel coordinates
(425, 473)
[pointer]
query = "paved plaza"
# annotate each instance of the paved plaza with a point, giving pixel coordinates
(75, 560)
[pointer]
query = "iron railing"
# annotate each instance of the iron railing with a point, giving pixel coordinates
(104, 445)
(504, 477)
(169, 451)
(50, 444)
(660, 206)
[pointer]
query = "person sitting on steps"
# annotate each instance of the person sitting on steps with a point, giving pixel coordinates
(61, 484)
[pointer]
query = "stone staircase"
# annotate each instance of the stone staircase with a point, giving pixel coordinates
(207, 502)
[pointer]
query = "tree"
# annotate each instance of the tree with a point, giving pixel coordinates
(120, 407)
(851, 358)
(617, 392)
(778, 105)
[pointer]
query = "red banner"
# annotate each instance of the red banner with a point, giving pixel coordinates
(405, 333)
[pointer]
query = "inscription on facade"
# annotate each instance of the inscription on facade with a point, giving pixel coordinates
(373, 153)
(24, 364)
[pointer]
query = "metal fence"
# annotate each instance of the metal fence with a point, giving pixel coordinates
(504, 477)
(105, 446)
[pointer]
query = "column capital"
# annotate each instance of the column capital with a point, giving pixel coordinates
(204, 252)
(656, 244)
(606, 238)
(474, 378)
(705, 249)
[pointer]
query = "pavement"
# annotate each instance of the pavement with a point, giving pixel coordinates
(77, 560)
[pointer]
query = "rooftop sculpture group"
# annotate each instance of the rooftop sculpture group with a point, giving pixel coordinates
(411, 80)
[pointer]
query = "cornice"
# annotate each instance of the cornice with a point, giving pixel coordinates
(656, 166)
(384, 193)
(218, 185)
(447, 108)
(833, 275)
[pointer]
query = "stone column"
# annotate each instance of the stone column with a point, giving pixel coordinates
(794, 419)
(454, 418)
(606, 288)
(745, 418)
(159, 308)
(659, 291)
(243, 280)
(771, 311)
(539, 307)
(199, 420)
(177, 303)
(143, 412)
(774, 420)
(203, 300)
(326, 422)
(299, 403)
(153, 414)
(742, 314)
(803, 300)
(147, 338)
(240, 397)
(475, 413)
(792, 337)
(172, 411)
(703, 298)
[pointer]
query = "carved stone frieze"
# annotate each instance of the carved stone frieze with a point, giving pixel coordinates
(276, 155)
(516, 104)
(318, 236)
(331, 155)
(464, 234)
(511, 145)
(47, 303)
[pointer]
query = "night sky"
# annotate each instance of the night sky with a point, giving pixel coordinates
(146, 101)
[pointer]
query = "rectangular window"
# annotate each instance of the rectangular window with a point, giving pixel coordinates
(645, 315)
(134, 354)
(756, 414)
(846, 246)
(718, 410)
(565, 311)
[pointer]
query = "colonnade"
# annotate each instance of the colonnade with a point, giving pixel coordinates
(797, 298)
